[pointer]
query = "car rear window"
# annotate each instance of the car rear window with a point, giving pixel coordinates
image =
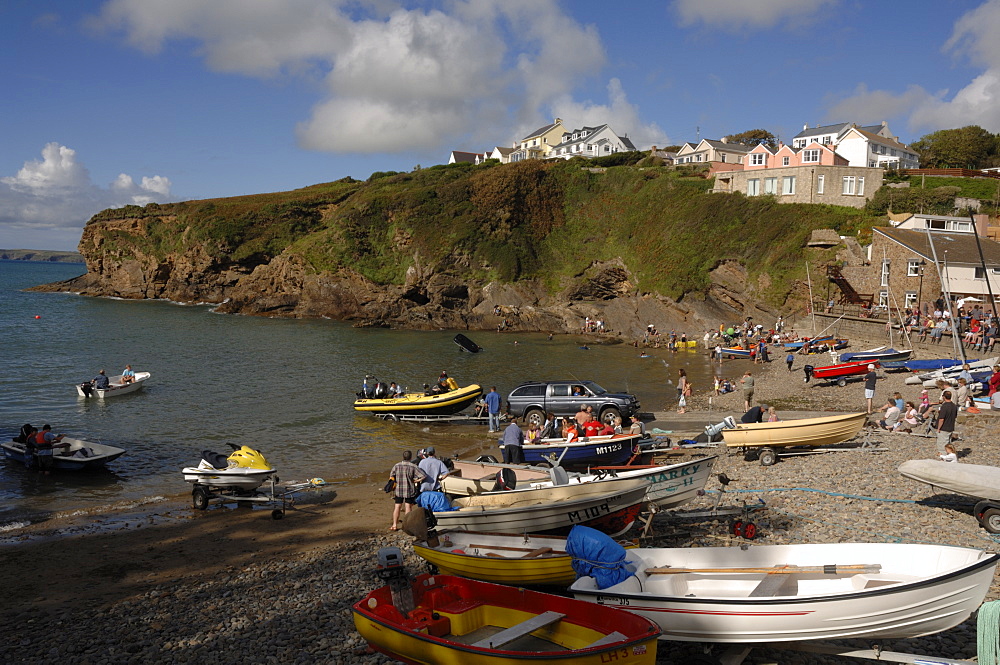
(528, 391)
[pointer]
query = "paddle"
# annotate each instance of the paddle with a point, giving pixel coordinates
(851, 569)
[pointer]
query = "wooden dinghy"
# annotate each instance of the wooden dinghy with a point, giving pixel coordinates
(813, 432)
(777, 593)
(447, 620)
(522, 560)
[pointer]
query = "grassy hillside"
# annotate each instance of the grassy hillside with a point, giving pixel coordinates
(505, 222)
(47, 255)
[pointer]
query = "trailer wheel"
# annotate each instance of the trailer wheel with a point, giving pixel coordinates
(277, 514)
(841, 382)
(736, 527)
(767, 457)
(749, 530)
(991, 520)
(199, 498)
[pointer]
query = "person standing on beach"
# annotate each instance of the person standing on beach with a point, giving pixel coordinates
(747, 382)
(683, 390)
(493, 408)
(513, 444)
(870, 378)
(408, 477)
(790, 360)
(947, 414)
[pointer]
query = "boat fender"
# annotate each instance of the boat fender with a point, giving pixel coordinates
(808, 369)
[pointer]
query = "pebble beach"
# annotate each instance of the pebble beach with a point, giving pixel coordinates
(223, 588)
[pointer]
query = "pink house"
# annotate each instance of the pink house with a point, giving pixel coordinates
(814, 154)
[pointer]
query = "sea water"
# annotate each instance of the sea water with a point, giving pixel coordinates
(284, 386)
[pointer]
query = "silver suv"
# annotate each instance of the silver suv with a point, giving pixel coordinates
(533, 399)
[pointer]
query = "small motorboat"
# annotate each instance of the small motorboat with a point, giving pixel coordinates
(781, 593)
(840, 372)
(612, 449)
(822, 431)
(448, 620)
(422, 404)
(467, 344)
(244, 469)
(880, 354)
(77, 455)
(522, 560)
(115, 388)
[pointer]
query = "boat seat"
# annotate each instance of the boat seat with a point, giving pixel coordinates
(610, 638)
(518, 631)
(772, 585)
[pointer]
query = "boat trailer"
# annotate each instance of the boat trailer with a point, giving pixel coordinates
(736, 654)
(768, 455)
(279, 497)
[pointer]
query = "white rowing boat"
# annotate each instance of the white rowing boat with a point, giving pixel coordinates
(115, 386)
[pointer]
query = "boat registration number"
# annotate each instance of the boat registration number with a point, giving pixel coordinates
(604, 450)
(612, 600)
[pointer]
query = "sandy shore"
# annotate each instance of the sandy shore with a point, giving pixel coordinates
(165, 583)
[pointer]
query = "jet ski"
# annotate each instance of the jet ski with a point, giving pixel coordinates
(244, 469)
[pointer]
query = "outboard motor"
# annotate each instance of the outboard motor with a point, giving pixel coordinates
(391, 571)
(808, 369)
(712, 431)
(381, 390)
(506, 480)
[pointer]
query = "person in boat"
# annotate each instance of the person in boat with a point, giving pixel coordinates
(45, 444)
(26, 431)
(434, 470)
(754, 414)
(101, 381)
(407, 477)
(548, 429)
(592, 426)
(531, 436)
(394, 390)
(513, 442)
(570, 431)
(128, 376)
(582, 416)
(442, 385)
(637, 427)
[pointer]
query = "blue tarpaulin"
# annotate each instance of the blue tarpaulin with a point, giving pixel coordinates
(434, 501)
(598, 555)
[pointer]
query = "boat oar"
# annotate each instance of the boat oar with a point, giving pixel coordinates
(852, 569)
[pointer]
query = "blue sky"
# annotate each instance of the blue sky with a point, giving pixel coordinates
(130, 101)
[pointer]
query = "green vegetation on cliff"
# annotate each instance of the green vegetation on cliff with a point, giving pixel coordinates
(505, 222)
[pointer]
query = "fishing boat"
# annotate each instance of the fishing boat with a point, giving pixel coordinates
(839, 372)
(448, 620)
(780, 593)
(814, 432)
(611, 512)
(77, 454)
(881, 354)
(522, 560)
(976, 480)
(446, 403)
(607, 450)
(668, 485)
(116, 387)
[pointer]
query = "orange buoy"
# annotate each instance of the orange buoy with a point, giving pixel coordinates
(38, 316)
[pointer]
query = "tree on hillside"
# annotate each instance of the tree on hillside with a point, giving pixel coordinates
(753, 137)
(970, 147)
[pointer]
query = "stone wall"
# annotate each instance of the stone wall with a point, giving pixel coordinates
(806, 183)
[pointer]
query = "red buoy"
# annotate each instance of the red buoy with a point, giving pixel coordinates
(38, 316)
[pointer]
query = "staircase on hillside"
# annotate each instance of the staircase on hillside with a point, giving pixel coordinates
(848, 296)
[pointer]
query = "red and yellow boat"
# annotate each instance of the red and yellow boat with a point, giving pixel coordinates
(457, 621)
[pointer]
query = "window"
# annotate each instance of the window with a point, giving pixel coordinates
(530, 391)
(882, 149)
(910, 299)
(883, 299)
(810, 156)
(698, 158)
(788, 185)
(871, 164)
(820, 181)
(980, 273)
(784, 161)
(826, 140)
(892, 152)
(753, 187)
(770, 185)
(913, 268)
(861, 186)
(757, 159)
(885, 274)
(849, 185)
(962, 226)
(874, 149)
(722, 156)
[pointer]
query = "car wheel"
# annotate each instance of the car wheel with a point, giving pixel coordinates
(534, 417)
(611, 416)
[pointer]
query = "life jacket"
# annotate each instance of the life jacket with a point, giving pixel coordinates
(40, 439)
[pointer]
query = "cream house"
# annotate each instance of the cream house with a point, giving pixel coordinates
(709, 150)
(539, 143)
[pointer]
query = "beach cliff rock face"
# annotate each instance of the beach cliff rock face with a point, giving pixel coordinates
(286, 287)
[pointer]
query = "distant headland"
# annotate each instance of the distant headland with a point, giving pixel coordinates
(40, 255)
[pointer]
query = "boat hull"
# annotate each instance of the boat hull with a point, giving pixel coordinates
(117, 388)
(454, 619)
(920, 590)
(978, 480)
(735, 353)
(601, 511)
(444, 404)
(66, 459)
(603, 450)
(885, 357)
(238, 478)
(501, 558)
(840, 370)
(824, 431)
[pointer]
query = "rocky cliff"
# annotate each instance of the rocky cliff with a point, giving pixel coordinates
(534, 248)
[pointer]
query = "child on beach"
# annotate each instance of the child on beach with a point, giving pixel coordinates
(949, 454)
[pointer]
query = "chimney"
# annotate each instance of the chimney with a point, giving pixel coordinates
(884, 123)
(982, 224)
(724, 139)
(805, 126)
(557, 121)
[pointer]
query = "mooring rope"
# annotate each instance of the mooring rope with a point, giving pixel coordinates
(988, 633)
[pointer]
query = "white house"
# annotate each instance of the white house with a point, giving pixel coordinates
(591, 142)
(870, 146)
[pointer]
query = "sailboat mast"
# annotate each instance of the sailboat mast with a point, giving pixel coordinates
(960, 350)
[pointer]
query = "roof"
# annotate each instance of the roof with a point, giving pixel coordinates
(879, 139)
(731, 147)
(541, 130)
(961, 247)
(626, 142)
(502, 150)
(832, 129)
(465, 156)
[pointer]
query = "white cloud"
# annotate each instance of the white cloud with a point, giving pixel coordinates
(737, 15)
(977, 36)
(392, 79)
(54, 196)
(622, 116)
